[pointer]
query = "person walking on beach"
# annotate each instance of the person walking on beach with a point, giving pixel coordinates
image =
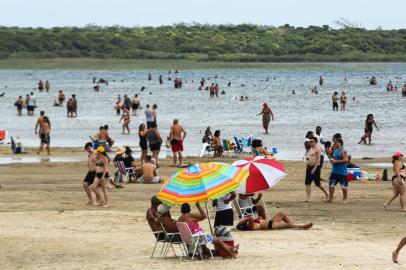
(19, 104)
(395, 254)
(177, 136)
(266, 116)
(398, 180)
(368, 128)
(91, 173)
(334, 98)
(39, 126)
(148, 115)
(102, 165)
(45, 135)
(339, 171)
(313, 168)
(126, 120)
(135, 103)
(343, 101)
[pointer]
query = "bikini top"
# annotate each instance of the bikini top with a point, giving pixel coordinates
(100, 163)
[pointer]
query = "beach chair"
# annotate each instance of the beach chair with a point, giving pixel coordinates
(227, 148)
(16, 147)
(159, 238)
(127, 172)
(250, 139)
(245, 147)
(171, 239)
(206, 149)
(243, 212)
(238, 145)
(192, 242)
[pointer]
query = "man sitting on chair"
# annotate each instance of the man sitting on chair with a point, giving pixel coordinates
(169, 224)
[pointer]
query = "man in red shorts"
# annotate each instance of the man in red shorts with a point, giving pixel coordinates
(177, 135)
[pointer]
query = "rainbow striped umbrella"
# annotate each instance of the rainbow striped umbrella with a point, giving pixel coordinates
(201, 183)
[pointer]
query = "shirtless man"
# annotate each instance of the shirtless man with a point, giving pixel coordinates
(61, 97)
(176, 137)
(313, 168)
(135, 104)
(212, 90)
(40, 123)
(104, 135)
(334, 98)
(91, 174)
(149, 173)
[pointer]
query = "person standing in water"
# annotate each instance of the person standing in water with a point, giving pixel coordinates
(266, 116)
(19, 104)
(368, 128)
(44, 135)
(126, 120)
(47, 86)
(343, 101)
(135, 104)
(334, 98)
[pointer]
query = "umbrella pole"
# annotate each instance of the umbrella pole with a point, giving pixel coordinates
(266, 209)
(208, 217)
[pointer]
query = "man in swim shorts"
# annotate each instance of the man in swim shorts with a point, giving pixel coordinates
(91, 174)
(339, 171)
(176, 136)
(334, 98)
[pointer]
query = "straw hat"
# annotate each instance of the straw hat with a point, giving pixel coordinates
(120, 150)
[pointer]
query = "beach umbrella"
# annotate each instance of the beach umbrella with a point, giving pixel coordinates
(264, 173)
(201, 183)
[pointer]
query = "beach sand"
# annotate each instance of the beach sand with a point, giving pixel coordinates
(45, 224)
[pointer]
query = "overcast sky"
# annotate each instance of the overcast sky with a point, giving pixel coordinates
(389, 14)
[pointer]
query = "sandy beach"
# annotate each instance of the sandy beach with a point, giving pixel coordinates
(45, 224)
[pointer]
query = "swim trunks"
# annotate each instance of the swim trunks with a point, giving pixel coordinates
(177, 145)
(312, 177)
(89, 178)
(338, 178)
(45, 139)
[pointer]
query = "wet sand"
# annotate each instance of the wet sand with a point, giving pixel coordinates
(45, 224)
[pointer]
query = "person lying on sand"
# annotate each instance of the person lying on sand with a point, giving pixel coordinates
(277, 222)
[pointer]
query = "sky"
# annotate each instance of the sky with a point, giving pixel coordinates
(388, 14)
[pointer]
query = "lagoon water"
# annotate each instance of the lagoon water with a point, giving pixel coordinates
(294, 114)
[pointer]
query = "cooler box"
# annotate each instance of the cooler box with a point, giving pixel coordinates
(228, 243)
(355, 172)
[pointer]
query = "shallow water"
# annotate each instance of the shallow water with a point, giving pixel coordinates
(294, 114)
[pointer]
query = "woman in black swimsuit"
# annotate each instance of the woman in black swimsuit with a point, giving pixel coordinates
(368, 128)
(398, 180)
(102, 165)
(142, 134)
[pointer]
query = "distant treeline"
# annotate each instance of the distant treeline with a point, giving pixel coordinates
(242, 43)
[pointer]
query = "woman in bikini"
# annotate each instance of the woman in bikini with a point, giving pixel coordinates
(368, 128)
(126, 117)
(102, 165)
(277, 222)
(193, 219)
(266, 116)
(343, 101)
(398, 180)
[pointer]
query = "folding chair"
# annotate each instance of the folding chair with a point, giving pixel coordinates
(245, 147)
(169, 240)
(238, 145)
(124, 171)
(206, 148)
(192, 242)
(243, 211)
(159, 238)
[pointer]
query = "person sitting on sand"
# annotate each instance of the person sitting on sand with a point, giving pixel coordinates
(251, 205)
(277, 222)
(149, 172)
(193, 219)
(398, 180)
(260, 150)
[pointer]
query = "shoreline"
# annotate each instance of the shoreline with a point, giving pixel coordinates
(165, 64)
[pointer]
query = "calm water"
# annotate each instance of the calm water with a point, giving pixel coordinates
(294, 114)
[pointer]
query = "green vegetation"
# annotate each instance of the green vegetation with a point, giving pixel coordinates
(227, 43)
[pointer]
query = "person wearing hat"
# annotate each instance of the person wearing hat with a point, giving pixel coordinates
(266, 116)
(398, 180)
(164, 216)
(102, 165)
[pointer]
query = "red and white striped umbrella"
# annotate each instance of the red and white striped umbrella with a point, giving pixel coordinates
(264, 173)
